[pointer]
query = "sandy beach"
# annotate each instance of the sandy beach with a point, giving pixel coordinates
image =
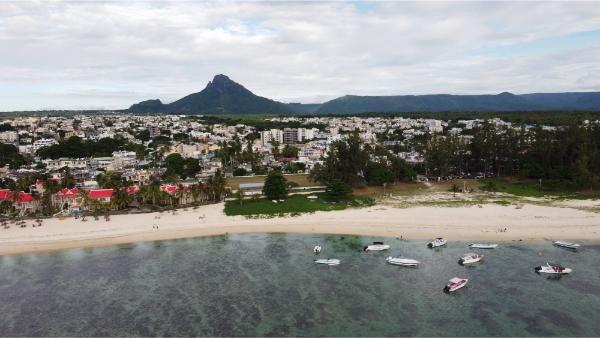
(473, 223)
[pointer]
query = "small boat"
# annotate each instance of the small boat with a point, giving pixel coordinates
(483, 246)
(330, 262)
(437, 242)
(470, 258)
(553, 268)
(317, 249)
(376, 246)
(403, 261)
(568, 245)
(455, 284)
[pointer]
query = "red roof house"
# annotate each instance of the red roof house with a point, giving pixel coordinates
(101, 194)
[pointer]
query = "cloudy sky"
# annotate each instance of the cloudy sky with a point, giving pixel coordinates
(93, 54)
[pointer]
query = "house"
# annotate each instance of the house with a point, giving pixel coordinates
(67, 200)
(23, 202)
(172, 189)
(123, 159)
(101, 195)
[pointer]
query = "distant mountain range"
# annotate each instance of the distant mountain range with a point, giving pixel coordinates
(222, 95)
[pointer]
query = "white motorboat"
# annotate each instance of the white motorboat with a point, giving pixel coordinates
(376, 246)
(403, 261)
(470, 258)
(437, 242)
(455, 284)
(317, 249)
(553, 268)
(483, 246)
(568, 245)
(330, 262)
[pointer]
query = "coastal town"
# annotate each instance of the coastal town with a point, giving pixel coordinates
(64, 165)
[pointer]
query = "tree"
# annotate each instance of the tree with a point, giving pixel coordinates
(275, 148)
(67, 181)
(455, 188)
(377, 173)
(289, 151)
(216, 185)
(338, 191)
(275, 186)
(239, 195)
(175, 164)
(180, 166)
(346, 160)
(111, 180)
(240, 172)
(152, 193)
(9, 154)
(121, 198)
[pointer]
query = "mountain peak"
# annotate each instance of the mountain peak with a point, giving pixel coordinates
(219, 80)
(506, 94)
(221, 95)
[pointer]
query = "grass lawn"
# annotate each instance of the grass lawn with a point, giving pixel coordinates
(294, 204)
(301, 179)
(530, 188)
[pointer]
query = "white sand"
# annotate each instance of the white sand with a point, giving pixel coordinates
(531, 223)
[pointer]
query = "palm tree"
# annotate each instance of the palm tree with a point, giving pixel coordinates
(240, 196)
(179, 193)
(86, 201)
(121, 198)
(195, 191)
(152, 192)
(5, 207)
(216, 185)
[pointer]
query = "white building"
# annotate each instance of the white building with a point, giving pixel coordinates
(10, 136)
(123, 159)
(269, 135)
(45, 142)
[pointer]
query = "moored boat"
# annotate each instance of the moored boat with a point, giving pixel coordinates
(553, 269)
(376, 246)
(470, 258)
(437, 242)
(483, 245)
(568, 245)
(317, 249)
(455, 284)
(329, 262)
(403, 261)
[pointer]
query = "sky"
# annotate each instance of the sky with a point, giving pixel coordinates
(109, 55)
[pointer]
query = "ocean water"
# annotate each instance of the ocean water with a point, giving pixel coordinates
(267, 284)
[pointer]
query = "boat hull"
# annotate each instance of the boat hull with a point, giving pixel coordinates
(565, 245)
(551, 271)
(376, 248)
(469, 261)
(436, 245)
(456, 286)
(483, 246)
(330, 262)
(403, 262)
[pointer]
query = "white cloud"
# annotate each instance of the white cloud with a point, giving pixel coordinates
(112, 54)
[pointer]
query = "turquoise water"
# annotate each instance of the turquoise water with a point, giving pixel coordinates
(245, 285)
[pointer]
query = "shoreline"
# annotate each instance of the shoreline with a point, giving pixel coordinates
(531, 223)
